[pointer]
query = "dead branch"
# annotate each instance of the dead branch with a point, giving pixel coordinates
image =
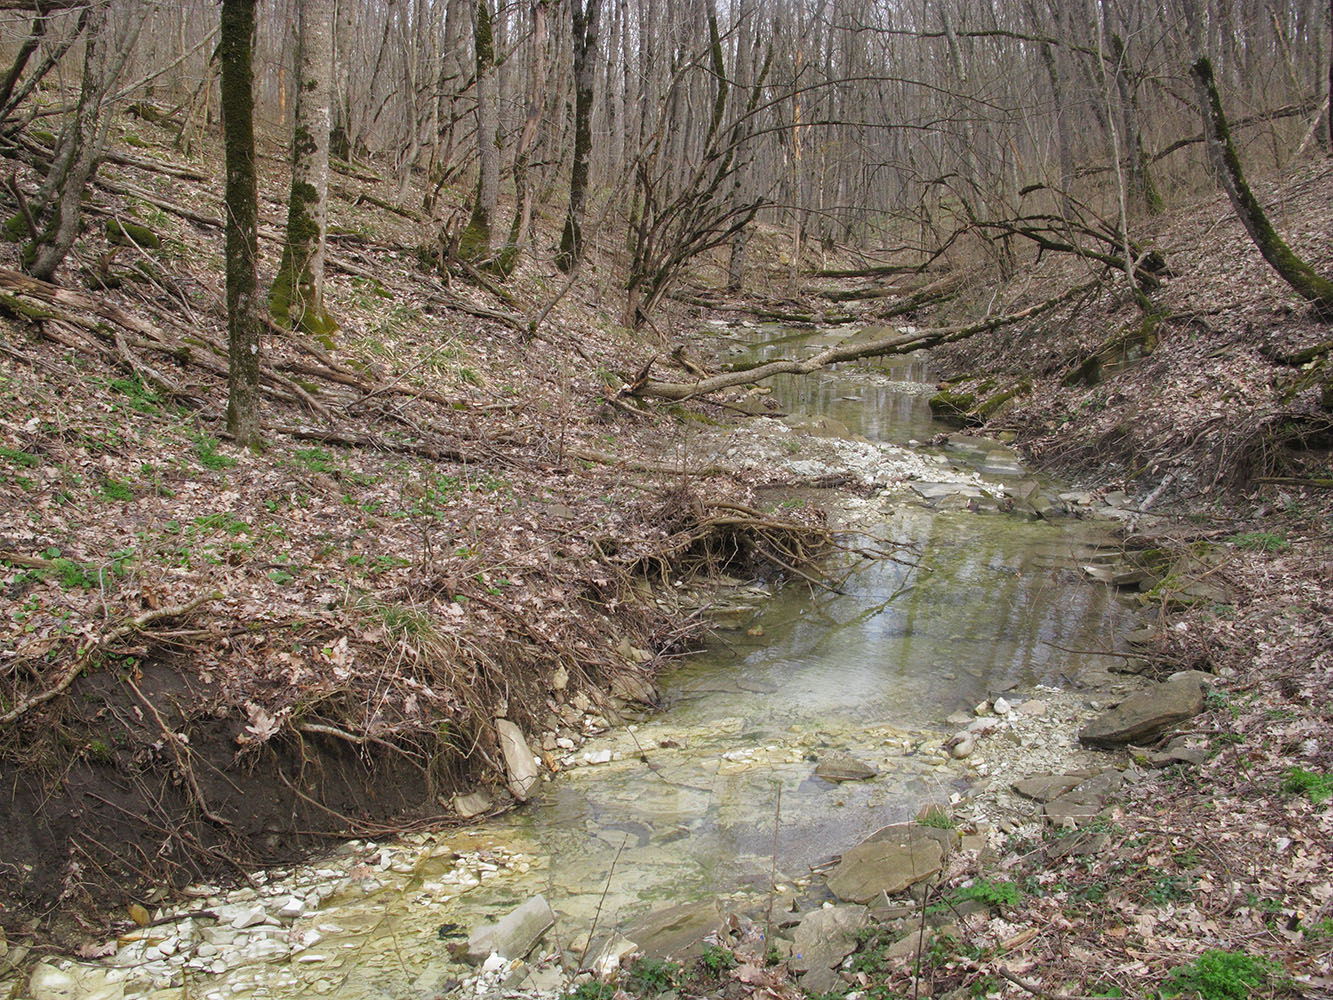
(897, 344)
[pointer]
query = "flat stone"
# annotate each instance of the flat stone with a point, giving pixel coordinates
(826, 936)
(1033, 708)
(1178, 751)
(939, 491)
(513, 936)
(631, 685)
(889, 865)
(677, 931)
(1144, 716)
(249, 917)
(821, 981)
(836, 766)
(522, 772)
(1045, 787)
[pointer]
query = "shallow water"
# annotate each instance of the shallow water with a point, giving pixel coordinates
(716, 795)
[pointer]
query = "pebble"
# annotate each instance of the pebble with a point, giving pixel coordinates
(1002, 706)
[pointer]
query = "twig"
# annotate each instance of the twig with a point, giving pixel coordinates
(605, 889)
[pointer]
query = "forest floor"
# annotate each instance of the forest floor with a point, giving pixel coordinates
(213, 658)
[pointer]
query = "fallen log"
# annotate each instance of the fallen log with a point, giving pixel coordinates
(898, 344)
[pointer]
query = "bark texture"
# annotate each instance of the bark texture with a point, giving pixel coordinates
(585, 73)
(243, 320)
(476, 244)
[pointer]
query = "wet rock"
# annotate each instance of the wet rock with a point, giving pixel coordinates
(825, 937)
(677, 931)
(889, 861)
(472, 804)
(521, 769)
(959, 718)
(513, 936)
(1149, 713)
(836, 766)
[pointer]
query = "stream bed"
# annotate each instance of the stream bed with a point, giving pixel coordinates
(714, 798)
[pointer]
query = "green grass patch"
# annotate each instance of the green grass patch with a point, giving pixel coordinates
(23, 459)
(1318, 787)
(115, 489)
(716, 960)
(1260, 541)
(1220, 975)
(653, 975)
(982, 891)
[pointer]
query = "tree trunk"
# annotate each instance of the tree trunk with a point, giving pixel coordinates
(522, 224)
(586, 14)
(242, 214)
(297, 296)
(1294, 271)
(475, 246)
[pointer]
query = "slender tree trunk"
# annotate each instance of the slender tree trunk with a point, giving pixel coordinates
(242, 215)
(297, 296)
(585, 16)
(518, 230)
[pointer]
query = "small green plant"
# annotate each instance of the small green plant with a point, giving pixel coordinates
(1170, 889)
(1260, 541)
(315, 459)
(982, 891)
(1318, 787)
(937, 817)
(717, 960)
(115, 489)
(1219, 975)
(206, 451)
(592, 990)
(653, 975)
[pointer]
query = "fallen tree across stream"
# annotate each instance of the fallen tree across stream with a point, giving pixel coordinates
(900, 343)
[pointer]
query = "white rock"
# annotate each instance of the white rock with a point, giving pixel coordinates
(1002, 706)
(964, 747)
(249, 917)
(291, 907)
(493, 963)
(598, 756)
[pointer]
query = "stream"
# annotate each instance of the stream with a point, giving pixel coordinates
(715, 797)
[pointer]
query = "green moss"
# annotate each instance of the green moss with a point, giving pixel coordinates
(15, 228)
(131, 234)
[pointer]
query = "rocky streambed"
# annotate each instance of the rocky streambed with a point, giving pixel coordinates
(782, 785)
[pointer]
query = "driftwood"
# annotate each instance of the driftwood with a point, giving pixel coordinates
(898, 344)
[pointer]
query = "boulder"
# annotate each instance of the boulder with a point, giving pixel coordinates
(677, 931)
(1148, 714)
(889, 861)
(826, 936)
(521, 768)
(837, 766)
(513, 936)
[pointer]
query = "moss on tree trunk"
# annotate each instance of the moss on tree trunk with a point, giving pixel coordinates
(296, 298)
